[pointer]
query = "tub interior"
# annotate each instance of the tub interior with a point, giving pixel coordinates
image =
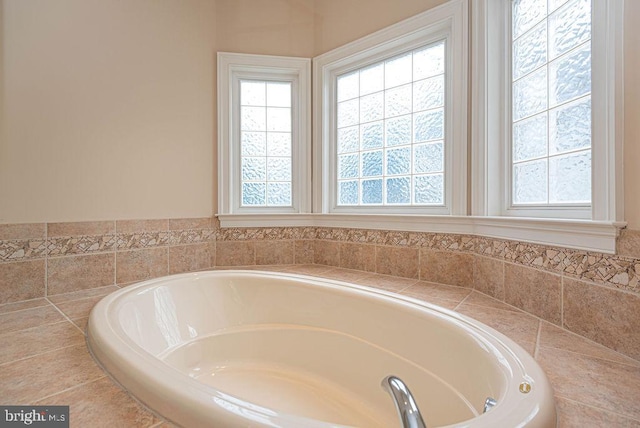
(314, 349)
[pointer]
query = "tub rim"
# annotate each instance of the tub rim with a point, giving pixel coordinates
(136, 369)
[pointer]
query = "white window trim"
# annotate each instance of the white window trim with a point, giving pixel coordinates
(490, 128)
(578, 234)
(598, 234)
(448, 21)
(233, 67)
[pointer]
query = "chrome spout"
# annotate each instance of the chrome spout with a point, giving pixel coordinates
(406, 406)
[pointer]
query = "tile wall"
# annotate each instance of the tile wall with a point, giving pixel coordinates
(43, 260)
(595, 295)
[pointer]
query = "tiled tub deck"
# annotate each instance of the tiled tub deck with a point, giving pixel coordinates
(44, 358)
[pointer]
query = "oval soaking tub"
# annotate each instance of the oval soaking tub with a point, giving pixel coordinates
(247, 348)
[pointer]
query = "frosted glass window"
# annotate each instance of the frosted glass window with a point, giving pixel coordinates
(265, 139)
(551, 102)
(391, 131)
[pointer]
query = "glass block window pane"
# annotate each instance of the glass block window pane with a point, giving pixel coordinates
(372, 192)
(530, 182)
(265, 144)
(551, 102)
(391, 131)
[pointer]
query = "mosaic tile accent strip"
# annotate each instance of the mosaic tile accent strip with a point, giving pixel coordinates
(133, 241)
(68, 245)
(23, 249)
(610, 270)
(259, 234)
(617, 271)
(12, 250)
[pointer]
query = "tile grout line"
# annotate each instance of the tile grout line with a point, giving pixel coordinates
(115, 253)
(31, 328)
(39, 354)
(103, 376)
(536, 350)
(562, 302)
(82, 298)
(633, 363)
(463, 300)
(46, 260)
(632, 418)
(564, 330)
(126, 391)
(26, 309)
(66, 317)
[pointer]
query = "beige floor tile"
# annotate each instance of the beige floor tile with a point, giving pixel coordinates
(519, 326)
(165, 425)
(27, 318)
(443, 303)
(270, 268)
(429, 290)
(480, 299)
(595, 382)
(309, 269)
(386, 282)
(83, 294)
(273, 268)
(81, 323)
(347, 275)
(572, 414)
(101, 403)
(555, 337)
(37, 340)
(22, 305)
(79, 308)
(32, 379)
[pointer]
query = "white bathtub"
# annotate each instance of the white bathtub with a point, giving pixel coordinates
(245, 348)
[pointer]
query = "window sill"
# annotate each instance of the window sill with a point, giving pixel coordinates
(579, 234)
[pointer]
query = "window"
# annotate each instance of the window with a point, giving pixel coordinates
(265, 143)
(551, 102)
(264, 138)
(386, 139)
(390, 127)
(390, 131)
(547, 109)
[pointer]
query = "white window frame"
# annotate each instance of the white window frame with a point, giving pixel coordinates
(491, 121)
(488, 89)
(448, 22)
(232, 68)
(490, 130)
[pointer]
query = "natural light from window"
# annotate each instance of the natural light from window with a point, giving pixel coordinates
(551, 102)
(391, 131)
(265, 139)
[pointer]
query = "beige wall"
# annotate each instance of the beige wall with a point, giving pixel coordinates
(342, 21)
(107, 109)
(632, 113)
(267, 27)
(109, 106)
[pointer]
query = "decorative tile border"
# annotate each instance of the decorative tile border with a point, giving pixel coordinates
(73, 245)
(610, 270)
(617, 271)
(13, 250)
(144, 249)
(22, 249)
